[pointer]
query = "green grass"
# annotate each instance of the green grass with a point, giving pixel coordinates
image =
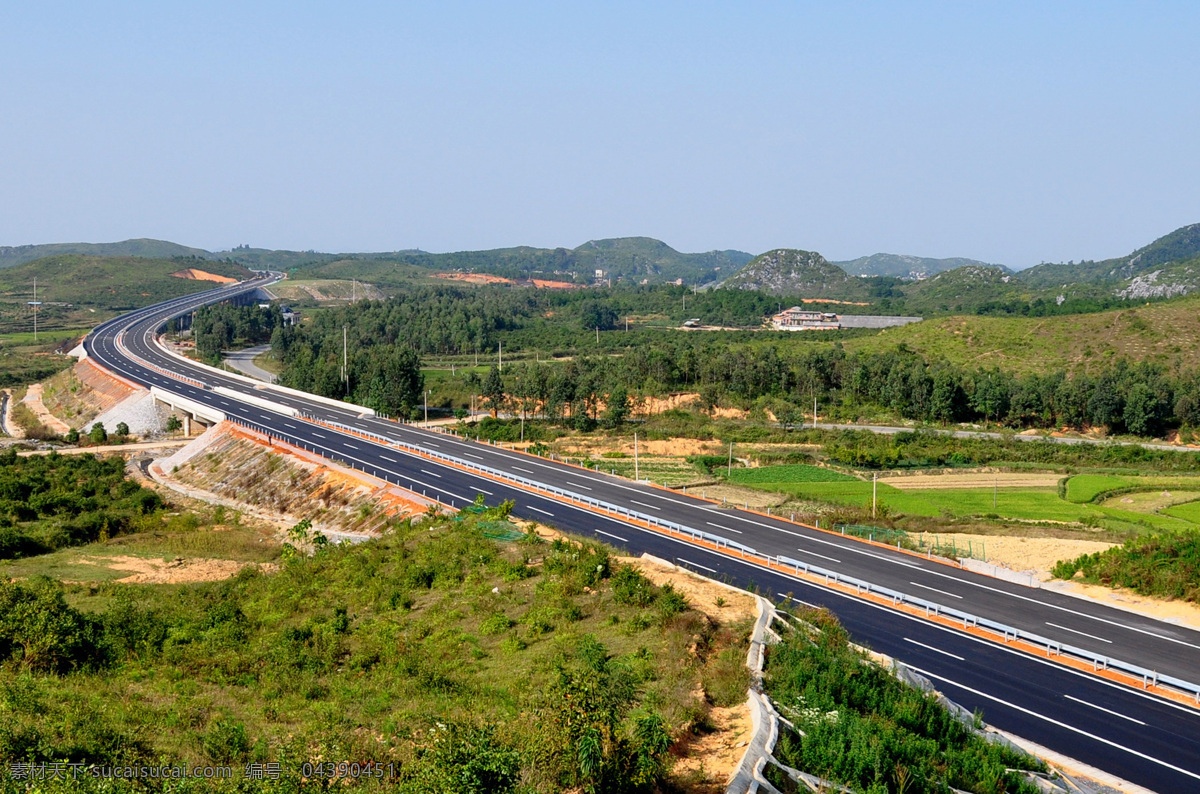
(1189, 511)
(1168, 332)
(795, 473)
(1086, 487)
(812, 483)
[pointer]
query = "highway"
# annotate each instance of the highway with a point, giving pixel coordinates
(1144, 739)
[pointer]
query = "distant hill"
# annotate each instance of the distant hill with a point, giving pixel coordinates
(10, 256)
(108, 282)
(905, 266)
(1181, 245)
(627, 259)
(788, 271)
(1167, 333)
(963, 289)
(637, 258)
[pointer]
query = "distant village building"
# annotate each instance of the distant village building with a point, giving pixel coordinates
(798, 319)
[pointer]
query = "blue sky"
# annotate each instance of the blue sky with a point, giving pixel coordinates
(1010, 132)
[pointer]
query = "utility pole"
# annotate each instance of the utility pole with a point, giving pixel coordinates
(501, 356)
(814, 412)
(874, 491)
(729, 467)
(345, 361)
(427, 407)
(597, 334)
(636, 478)
(35, 303)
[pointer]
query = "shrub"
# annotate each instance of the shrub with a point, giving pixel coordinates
(40, 632)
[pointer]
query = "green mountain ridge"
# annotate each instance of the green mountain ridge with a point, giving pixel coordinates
(11, 256)
(1178, 246)
(906, 266)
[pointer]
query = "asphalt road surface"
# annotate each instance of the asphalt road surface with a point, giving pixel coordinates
(1141, 738)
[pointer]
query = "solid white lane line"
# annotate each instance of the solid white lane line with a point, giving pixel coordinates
(540, 510)
(934, 589)
(696, 564)
(611, 535)
(989, 643)
(1106, 711)
(577, 485)
(719, 526)
(431, 474)
(815, 554)
(1060, 608)
(643, 504)
(1064, 725)
(935, 650)
(1077, 631)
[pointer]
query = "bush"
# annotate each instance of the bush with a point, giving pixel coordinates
(40, 632)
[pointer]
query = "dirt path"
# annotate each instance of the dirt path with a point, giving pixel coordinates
(127, 449)
(177, 571)
(33, 398)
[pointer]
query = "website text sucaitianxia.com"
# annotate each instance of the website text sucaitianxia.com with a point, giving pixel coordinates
(254, 771)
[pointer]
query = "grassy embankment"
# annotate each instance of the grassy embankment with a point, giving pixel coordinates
(863, 728)
(1167, 332)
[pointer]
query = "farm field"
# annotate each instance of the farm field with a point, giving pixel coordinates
(1154, 508)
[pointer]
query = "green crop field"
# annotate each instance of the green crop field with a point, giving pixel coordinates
(1086, 487)
(790, 474)
(1155, 511)
(1189, 511)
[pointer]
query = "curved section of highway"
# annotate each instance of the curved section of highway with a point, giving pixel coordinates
(1141, 738)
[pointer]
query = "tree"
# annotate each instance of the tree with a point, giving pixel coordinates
(98, 435)
(493, 390)
(1143, 411)
(617, 409)
(122, 429)
(594, 314)
(173, 424)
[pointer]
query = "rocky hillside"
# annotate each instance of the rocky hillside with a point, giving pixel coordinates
(907, 267)
(788, 271)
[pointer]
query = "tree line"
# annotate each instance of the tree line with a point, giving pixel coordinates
(371, 353)
(1143, 399)
(224, 326)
